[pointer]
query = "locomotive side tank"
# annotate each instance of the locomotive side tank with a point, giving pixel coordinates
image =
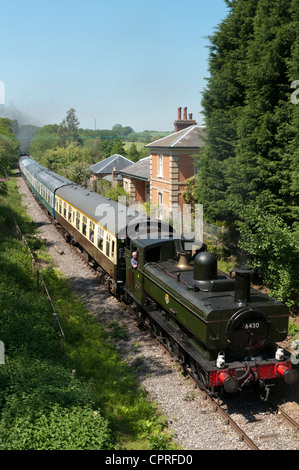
(204, 301)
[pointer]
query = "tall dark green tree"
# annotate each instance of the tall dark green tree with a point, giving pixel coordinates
(263, 131)
(133, 153)
(248, 174)
(251, 122)
(68, 129)
(222, 99)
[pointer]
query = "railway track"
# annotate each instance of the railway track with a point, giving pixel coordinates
(287, 418)
(216, 404)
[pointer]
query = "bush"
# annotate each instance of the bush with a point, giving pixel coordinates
(272, 250)
(42, 404)
(57, 428)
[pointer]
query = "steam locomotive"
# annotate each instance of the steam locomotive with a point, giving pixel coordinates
(223, 331)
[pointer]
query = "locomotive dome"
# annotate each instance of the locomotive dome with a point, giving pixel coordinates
(205, 266)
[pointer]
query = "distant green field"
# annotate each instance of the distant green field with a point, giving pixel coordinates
(139, 145)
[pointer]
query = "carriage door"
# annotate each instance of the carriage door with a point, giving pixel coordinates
(134, 276)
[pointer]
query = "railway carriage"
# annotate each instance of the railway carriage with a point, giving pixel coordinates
(91, 220)
(29, 169)
(42, 182)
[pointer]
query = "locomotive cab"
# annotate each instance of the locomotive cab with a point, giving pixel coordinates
(149, 250)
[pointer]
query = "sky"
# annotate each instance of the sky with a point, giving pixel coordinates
(130, 62)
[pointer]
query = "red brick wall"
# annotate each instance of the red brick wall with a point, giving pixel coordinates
(186, 167)
(140, 190)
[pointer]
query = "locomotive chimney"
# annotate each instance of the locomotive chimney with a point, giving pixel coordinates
(242, 289)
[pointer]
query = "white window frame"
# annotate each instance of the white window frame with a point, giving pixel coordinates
(160, 165)
(160, 204)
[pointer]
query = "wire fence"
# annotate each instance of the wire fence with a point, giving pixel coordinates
(40, 283)
(212, 231)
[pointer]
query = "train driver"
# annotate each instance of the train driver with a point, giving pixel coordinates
(134, 261)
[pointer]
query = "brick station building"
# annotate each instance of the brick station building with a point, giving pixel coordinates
(172, 161)
(136, 180)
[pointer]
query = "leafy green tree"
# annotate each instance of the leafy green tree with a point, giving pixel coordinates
(9, 151)
(61, 160)
(272, 250)
(121, 131)
(47, 137)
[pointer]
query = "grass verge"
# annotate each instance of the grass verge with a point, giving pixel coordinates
(43, 404)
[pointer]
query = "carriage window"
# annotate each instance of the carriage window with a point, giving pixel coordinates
(100, 242)
(64, 210)
(107, 248)
(84, 225)
(60, 207)
(91, 232)
(70, 214)
(112, 248)
(78, 220)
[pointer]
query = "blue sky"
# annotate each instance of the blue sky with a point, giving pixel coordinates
(116, 62)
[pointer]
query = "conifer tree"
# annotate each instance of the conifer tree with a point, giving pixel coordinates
(252, 140)
(222, 99)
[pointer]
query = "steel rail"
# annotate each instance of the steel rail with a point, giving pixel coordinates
(286, 417)
(229, 421)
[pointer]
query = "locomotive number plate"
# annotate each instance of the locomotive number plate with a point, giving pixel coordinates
(251, 325)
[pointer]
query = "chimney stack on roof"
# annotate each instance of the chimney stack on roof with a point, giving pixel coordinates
(180, 123)
(114, 177)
